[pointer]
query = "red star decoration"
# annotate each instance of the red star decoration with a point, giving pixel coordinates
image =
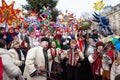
(7, 13)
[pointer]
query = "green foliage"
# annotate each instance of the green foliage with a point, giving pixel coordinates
(86, 25)
(36, 5)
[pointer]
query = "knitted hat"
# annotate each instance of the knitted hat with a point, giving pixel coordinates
(100, 43)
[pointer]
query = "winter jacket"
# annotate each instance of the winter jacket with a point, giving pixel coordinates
(115, 70)
(35, 59)
(10, 70)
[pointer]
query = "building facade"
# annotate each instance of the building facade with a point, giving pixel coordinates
(114, 17)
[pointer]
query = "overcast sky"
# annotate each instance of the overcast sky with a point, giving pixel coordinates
(77, 7)
(18, 3)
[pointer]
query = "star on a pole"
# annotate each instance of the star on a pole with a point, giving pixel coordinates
(98, 5)
(7, 13)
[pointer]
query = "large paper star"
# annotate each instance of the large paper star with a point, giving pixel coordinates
(99, 5)
(7, 13)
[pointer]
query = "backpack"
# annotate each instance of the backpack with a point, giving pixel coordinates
(1, 68)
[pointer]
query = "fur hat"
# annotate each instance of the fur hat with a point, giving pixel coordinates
(45, 39)
(14, 43)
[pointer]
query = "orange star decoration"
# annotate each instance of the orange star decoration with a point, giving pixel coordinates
(7, 13)
(99, 5)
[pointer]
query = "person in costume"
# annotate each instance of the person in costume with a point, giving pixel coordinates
(91, 46)
(58, 35)
(107, 60)
(96, 60)
(95, 35)
(37, 66)
(80, 41)
(6, 36)
(14, 36)
(17, 55)
(65, 40)
(85, 72)
(9, 69)
(115, 70)
(11, 31)
(16, 30)
(65, 46)
(74, 56)
(24, 47)
(32, 39)
(22, 35)
(54, 53)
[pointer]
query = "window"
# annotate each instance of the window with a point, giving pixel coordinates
(115, 9)
(114, 17)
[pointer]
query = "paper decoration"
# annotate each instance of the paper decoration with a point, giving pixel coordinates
(45, 18)
(103, 23)
(7, 13)
(98, 5)
(66, 20)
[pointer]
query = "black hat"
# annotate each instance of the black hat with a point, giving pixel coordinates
(1, 28)
(94, 30)
(45, 39)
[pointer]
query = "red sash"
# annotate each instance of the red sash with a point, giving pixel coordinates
(1, 69)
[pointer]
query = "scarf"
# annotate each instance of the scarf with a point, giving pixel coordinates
(19, 53)
(46, 61)
(81, 44)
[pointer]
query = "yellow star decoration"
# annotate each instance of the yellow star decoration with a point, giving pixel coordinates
(99, 5)
(7, 13)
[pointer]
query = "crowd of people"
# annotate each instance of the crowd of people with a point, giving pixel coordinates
(61, 55)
